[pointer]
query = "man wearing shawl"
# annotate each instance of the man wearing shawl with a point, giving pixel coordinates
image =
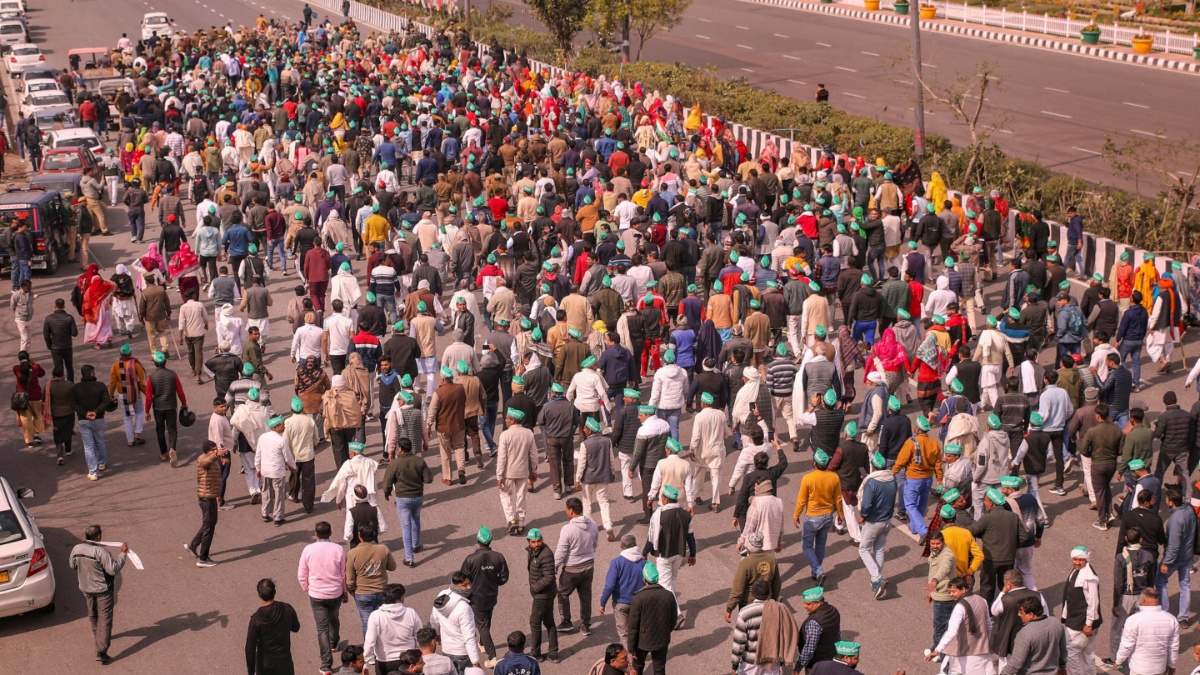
(1166, 316)
(250, 421)
(124, 307)
(1081, 613)
(1145, 279)
(765, 634)
(127, 384)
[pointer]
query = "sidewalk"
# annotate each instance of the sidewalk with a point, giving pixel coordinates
(1160, 60)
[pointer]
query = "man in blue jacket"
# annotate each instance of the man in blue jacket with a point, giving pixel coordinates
(1181, 536)
(623, 580)
(516, 661)
(616, 364)
(876, 507)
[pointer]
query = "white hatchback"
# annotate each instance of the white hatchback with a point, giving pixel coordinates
(156, 22)
(24, 56)
(26, 575)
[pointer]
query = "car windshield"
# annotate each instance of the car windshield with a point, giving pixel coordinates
(11, 29)
(80, 142)
(156, 20)
(10, 528)
(62, 162)
(47, 122)
(25, 51)
(42, 86)
(51, 99)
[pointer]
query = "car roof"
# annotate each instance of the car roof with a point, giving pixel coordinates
(38, 80)
(74, 132)
(9, 22)
(24, 196)
(24, 45)
(46, 93)
(147, 15)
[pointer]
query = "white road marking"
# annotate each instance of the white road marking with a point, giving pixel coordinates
(1090, 152)
(1004, 131)
(780, 35)
(747, 70)
(848, 70)
(746, 47)
(1136, 105)
(905, 82)
(824, 45)
(789, 56)
(853, 95)
(1054, 114)
(1061, 91)
(928, 65)
(742, 27)
(706, 20)
(1147, 133)
(870, 53)
(703, 37)
(798, 82)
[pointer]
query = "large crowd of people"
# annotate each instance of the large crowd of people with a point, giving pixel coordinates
(499, 270)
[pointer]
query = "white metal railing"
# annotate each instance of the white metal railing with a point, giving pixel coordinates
(1116, 34)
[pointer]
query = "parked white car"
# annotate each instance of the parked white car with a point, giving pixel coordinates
(42, 100)
(78, 137)
(40, 84)
(157, 22)
(24, 56)
(13, 32)
(26, 574)
(14, 6)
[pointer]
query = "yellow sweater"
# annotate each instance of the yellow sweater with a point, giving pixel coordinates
(930, 459)
(820, 494)
(968, 555)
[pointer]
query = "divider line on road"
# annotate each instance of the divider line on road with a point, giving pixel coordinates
(703, 37)
(853, 95)
(1136, 105)
(746, 47)
(789, 56)
(798, 82)
(780, 35)
(747, 70)
(870, 53)
(1060, 91)
(824, 45)
(848, 70)
(1090, 152)
(1148, 133)
(1054, 114)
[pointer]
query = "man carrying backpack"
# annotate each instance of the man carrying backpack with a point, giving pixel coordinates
(1133, 571)
(1071, 326)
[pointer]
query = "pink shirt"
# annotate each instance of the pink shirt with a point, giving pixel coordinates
(322, 572)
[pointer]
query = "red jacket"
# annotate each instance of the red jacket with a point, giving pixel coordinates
(316, 265)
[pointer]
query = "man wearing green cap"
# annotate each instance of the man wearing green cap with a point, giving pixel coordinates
(593, 471)
(920, 459)
(819, 631)
(250, 421)
(672, 542)
(845, 663)
(447, 417)
(1000, 532)
(818, 500)
(1120, 281)
(488, 571)
(651, 622)
(993, 352)
(649, 448)
(274, 463)
(127, 384)
(993, 460)
(542, 588)
(164, 396)
(516, 468)
(300, 431)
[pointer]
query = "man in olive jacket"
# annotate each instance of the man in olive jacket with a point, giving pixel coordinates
(651, 620)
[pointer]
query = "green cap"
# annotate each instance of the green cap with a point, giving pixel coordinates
(912, 245)
(247, 369)
(821, 331)
(947, 512)
(948, 262)
(847, 648)
(607, 281)
(421, 306)
(650, 573)
(923, 423)
(275, 421)
(878, 461)
(406, 381)
(668, 356)
(370, 298)
(956, 386)
(340, 247)
(518, 415)
(851, 429)
(893, 404)
(820, 458)
(297, 404)
(398, 326)
(406, 396)
(574, 332)
(733, 256)
(126, 349)
(1014, 313)
(647, 410)
(1098, 278)
(446, 372)
(865, 279)
(252, 394)
(813, 285)
(674, 446)
(830, 398)
(755, 304)
(745, 276)
(533, 534)
(1125, 255)
(815, 594)
(954, 449)
(1035, 419)
(556, 388)
(992, 321)
(1064, 285)
(484, 535)
(589, 362)
(939, 320)
(995, 496)
(630, 392)
(357, 447)
(1136, 465)
(903, 314)
(993, 421)
(593, 425)
(718, 287)
(461, 367)
(1010, 482)
(781, 349)
(160, 358)
(706, 398)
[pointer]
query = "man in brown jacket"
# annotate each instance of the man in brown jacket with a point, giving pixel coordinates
(154, 311)
(447, 416)
(474, 407)
(570, 357)
(208, 489)
(342, 409)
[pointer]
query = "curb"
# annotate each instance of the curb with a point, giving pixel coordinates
(991, 35)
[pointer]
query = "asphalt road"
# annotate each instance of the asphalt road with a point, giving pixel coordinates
(1054, 108)
(175, 617)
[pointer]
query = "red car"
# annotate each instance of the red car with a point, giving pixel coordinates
(64, 160)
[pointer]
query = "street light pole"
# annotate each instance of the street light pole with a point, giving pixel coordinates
(919, 107)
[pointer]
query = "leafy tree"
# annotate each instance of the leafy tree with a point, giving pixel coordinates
(965, 98)
(563, 18)
(636, 20)
(1163, 171)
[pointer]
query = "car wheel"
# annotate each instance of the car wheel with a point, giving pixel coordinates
(52, 261)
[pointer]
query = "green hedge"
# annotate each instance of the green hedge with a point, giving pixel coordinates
(1107, 212)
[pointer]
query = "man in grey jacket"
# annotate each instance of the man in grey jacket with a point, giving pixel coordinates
(1041, 645)
(574, 563)
(96, 570)
(1181, 535)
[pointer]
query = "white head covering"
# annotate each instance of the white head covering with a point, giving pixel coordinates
(338, 381)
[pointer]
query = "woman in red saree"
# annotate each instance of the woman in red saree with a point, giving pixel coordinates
(182, 267)
(890, 357)
(929, 365)
(97, 328)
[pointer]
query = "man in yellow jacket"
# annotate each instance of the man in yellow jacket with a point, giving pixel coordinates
(921, 461)
(820, 492)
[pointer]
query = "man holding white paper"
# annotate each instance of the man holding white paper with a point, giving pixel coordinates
(97, 570)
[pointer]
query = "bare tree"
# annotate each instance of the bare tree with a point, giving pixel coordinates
(1162, 169)
(965, 98)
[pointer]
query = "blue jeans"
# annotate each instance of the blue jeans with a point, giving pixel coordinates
(1065, 348)
(864, 330)
(387, 301)
(94, 451)
(137, 224)
(1184, 569)
(1132, 348)
(916, 496)
(20, 272)
(366, 604)
(875, 264)
(725, 333)
(488, 422)
(672, 418)
(816, 531)
(276, 245)
(900, 482)
(409, 510)
(942, 609)
(1119, 418)
(1075, 253)
(871, 544)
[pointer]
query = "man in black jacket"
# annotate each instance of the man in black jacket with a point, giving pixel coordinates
(651, 620)
(1173, 431)
(90, 399)
(488, 571)
(403, 350)
(58, 329)
(543, 588)
(268, 638)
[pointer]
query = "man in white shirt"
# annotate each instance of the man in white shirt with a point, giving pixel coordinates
(625, 211)
(391, 630)
(273, 463)
(335, 340)
(1150, 641)
(307, 340)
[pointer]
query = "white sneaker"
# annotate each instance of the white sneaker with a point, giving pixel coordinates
(490, 663)
(93, 476)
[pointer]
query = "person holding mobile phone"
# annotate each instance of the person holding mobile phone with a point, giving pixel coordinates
(208, 492)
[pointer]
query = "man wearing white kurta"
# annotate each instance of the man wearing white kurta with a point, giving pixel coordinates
(250, 419)
(516, 468)
(709, 429)
(1081, 613)
(993, 350)
(358, 470)
(273, 463)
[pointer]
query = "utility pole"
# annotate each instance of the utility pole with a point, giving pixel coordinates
(625, 29)
(919, 108)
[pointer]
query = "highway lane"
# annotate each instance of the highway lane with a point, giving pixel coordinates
(1056, 108)
(174, 617)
